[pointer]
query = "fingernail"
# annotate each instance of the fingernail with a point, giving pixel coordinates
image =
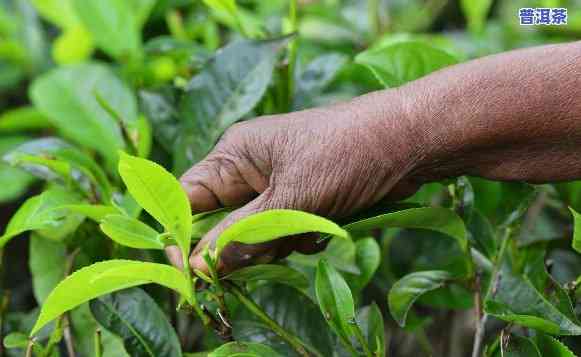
(197, 262)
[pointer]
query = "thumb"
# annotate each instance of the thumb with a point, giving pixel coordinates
(237, 255)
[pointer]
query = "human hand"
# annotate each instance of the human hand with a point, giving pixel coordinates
(329, 161)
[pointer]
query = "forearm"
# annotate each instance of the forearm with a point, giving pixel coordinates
(512, 116)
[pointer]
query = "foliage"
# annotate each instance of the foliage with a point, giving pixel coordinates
(104, 103)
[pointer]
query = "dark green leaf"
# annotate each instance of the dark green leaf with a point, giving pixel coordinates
(551, 347)
(432, 218)
(516, 346)
(317, 75)
(14, 181)
(228, 87)
(244, 349)
(271, 272)
(135, 317)
(370, 320)
(294, 311)
(409, 288)
(368, 257)
(576, 230)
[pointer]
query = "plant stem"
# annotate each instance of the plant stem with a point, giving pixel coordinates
(482, 317)
(3, 308)
(98, 344)
(29, 348)
(288, 337)
(373, 18)
(424, 341)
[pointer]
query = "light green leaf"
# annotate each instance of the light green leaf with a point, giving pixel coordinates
(335, 300)
(72, 106)
(368, 258)
(74, 45)
(59, 12)
(130, 232)
(135, 317)
(273, 224)
(476, 12)
(228, 87)
(95, 212)
(576, 230)
(47, 265)
(403, 62)
(113, 24)
(161, 195)
(271, 272)
(37, 213)
(340, 253)
(103, 278)
(432, 218)
(244, 349)
(408, 289)
(222, 5)
(23, 119)
(16, 340)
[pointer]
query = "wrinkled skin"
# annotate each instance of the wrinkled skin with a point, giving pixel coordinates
(489, 117)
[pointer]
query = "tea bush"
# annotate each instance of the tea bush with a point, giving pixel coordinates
(104, 103)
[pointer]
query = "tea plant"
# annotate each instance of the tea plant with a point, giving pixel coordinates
(464, 266)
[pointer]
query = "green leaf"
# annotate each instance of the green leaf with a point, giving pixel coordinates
(222, 5)
(244, 349)
(340, 253)
(292, 310)
(16, 340)
(46, 264)
(115, 25)
(403, 62)
(551, 347)
(368, 257)
(71, 105)
(516, 346)
(95, 212)
(317, 75)
(432, 218)
(372, 326)
(273, 224)
(131, 232)
(228, 87)
(53, 159)
(576, 230)
(408, 289)
(161, 195)
(135, 317)
(271, 272)
(475, 12)
(517, 300)
(23, 119)
(335, 300)
(14, 182)
(59, 12)
(103, 278)
(37, 213)
(202, 223)
(74, 45)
